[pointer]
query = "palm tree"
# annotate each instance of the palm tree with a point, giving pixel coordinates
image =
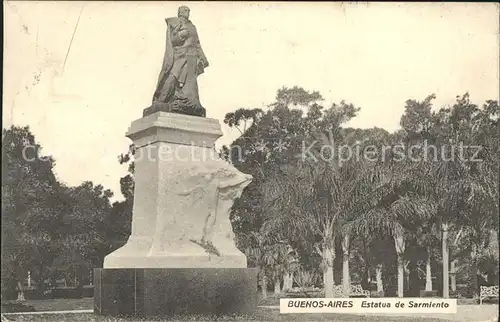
(392, 220)
(323, 196)
(273, 257)
(429, 240)
(318, 200)
(426, 237)
(346, 280)
(256, 254)
(453, 263)
(396, 206)
(466, 193)
(290, 266)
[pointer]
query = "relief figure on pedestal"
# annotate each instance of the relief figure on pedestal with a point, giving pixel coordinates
(208, 191)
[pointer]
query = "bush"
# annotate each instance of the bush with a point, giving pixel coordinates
(55, 293)
(304, 279)
(35, 294)
(9, 294)
(67, 293)
(428, 293)
(88, 291)
(14, 307)
(458, 294)
(9, 287)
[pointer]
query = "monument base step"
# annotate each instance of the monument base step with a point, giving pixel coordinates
(195, 257)
(144, 292)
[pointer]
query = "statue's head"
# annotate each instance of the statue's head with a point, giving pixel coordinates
(183, 11)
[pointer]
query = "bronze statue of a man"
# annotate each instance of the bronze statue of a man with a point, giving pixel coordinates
(184, 60)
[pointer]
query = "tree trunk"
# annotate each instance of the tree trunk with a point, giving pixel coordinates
(378, 276)
(286, 279)
(399, 242)
(428, 272)
(346, 283)
(446, 278)
(20, 292)
(413, 280)
(328, 282)
(337, 262)
(473, 285)
(291, 281)
(277, 285)
(453, 277)
(406, 273)
(401, 277)
(264, 285)
(366, 280)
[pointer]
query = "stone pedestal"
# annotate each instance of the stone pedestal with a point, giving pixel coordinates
(182, 198)
(174, 291)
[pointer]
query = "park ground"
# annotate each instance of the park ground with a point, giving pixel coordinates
(467, 312)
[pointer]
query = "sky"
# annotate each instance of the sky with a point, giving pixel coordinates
(80, 101)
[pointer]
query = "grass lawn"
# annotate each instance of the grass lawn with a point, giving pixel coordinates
(87, 304)
(466, 313)
(260, 315)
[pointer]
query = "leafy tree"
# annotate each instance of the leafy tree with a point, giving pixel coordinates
(270, 139)
(314, 195)
(457, 185)
(28, 217)
(86, 229)
(119, 224)
(48, 229)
